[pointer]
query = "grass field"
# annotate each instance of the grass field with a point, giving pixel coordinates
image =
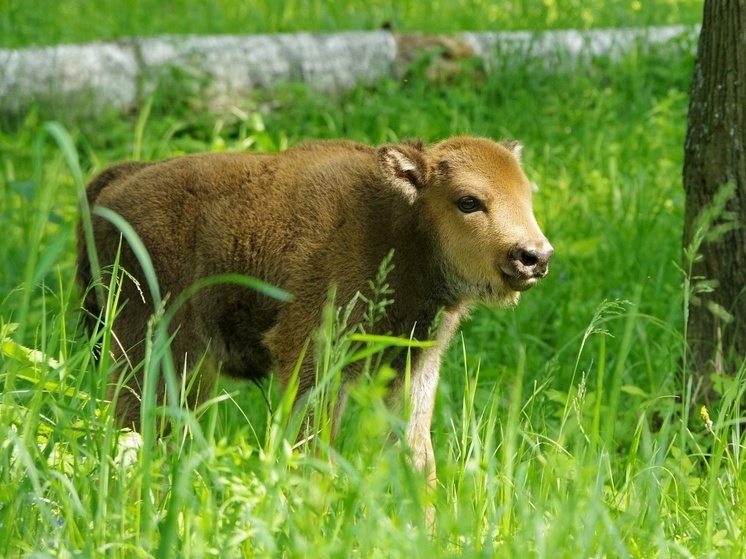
(563, 428)
(51, 21)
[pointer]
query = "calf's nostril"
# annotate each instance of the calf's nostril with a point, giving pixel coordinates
(529, 258)
(530, 262)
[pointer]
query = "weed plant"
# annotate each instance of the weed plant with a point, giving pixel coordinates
(563, 428)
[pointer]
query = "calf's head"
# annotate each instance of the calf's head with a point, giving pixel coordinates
(476, 204)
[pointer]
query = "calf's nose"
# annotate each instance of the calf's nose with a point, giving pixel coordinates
(531, 261)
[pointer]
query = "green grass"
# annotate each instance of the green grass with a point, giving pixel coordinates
(563, 428)
(51, 21)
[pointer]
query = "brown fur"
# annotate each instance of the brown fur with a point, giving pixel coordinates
(320, 214)
(445, 55)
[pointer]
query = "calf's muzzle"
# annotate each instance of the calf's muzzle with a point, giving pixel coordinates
(526, 264)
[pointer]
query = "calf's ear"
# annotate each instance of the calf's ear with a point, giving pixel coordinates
(515, 147)
(404, 167)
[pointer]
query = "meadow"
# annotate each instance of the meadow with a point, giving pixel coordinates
(51, 22)
(563, 427)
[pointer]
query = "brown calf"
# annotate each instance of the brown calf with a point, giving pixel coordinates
(457, 214)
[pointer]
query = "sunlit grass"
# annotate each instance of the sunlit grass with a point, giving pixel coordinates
(47, 21)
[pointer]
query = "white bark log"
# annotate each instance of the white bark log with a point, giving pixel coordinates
(96, 77)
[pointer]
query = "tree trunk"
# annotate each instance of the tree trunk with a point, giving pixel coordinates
(714, 157)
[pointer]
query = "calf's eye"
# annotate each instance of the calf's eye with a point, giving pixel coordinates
(469, 204)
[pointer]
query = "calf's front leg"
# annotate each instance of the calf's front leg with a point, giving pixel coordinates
(424, 385)
(423, 388)
(419, 408)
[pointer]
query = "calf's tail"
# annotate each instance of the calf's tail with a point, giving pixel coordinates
(84, 271)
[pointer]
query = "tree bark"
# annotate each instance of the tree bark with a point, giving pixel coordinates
(714, 156)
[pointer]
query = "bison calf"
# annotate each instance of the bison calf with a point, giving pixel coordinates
(457, 215)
